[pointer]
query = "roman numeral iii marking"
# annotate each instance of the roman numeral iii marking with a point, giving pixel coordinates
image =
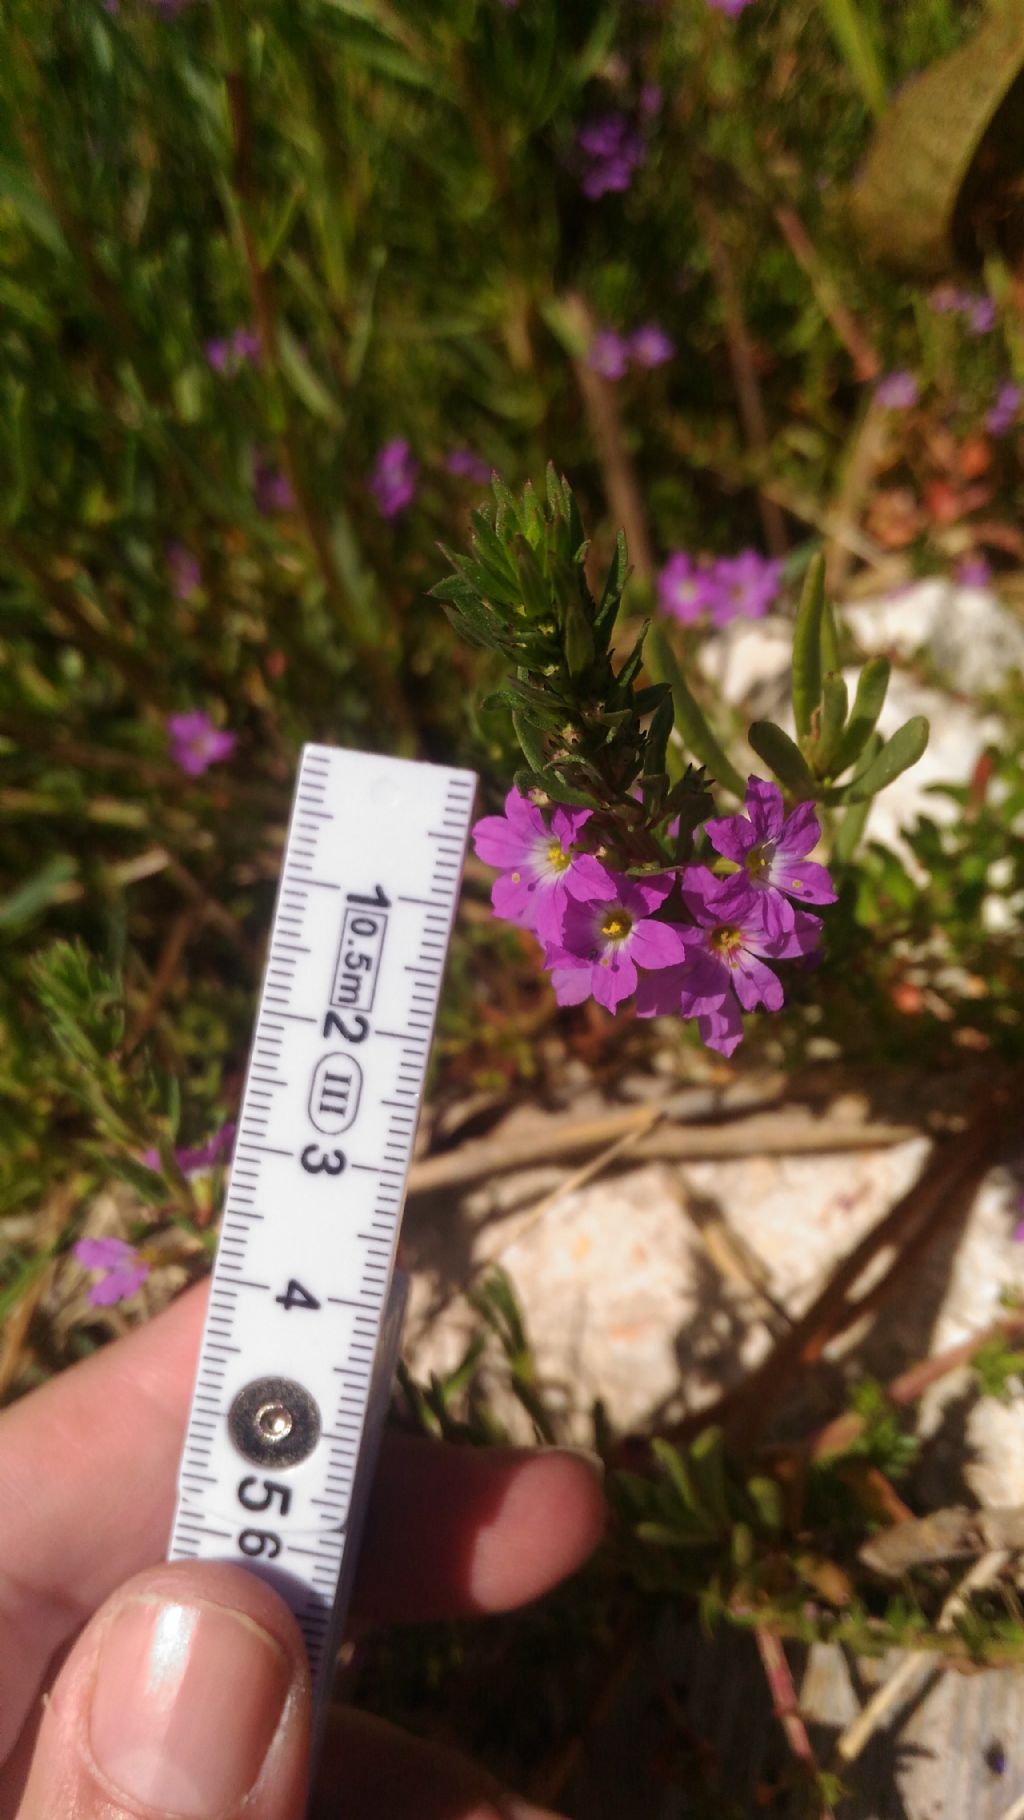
(305, 1305)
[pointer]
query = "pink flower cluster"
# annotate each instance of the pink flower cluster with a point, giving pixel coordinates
(610, 353)
(228, 353)
(685, 942)
(745, 586)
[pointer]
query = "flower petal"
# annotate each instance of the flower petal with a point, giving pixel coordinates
(617, 981)
(722, 1029)
(654, 944)
(497, 843)
(804, 879)
(756, 984)
(765, 807)
(800, 831)
(731, 835)
(572, 984)
(588, 880)
(513, 898)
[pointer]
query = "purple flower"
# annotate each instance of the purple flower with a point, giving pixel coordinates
(393, 477)
(608, 354)
(204, 1156)
(604, 943)
(650, 100)
(1003, 415)
(541, 867)
(196, 743)
(981, 315)
(726, 949)
(272, 490)
(226, 354)
(771, 849)
(124, 1270)
(731, 8)
(974, 572)
(186, 575)
(745, 586)
(649, 346)
(685, 588)
(948, 299)
(468, 465)
(613, 150)
(897, 391)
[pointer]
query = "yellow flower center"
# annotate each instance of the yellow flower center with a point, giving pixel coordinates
(726, 939)
(616, 926)
(757, 862)
(558, 857)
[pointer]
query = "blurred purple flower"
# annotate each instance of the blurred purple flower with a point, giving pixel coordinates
(272, 490)
(731, 8)
(650, 100)
(226, 354)
(1003, 415)
(897, 391)
(745, 586)
(981, 315)
(947, 299)
(124, 1270)
(974, 572)
(540, 864)
(604, 943)
(186, 575)
(196, 743)
(215, 1150)
(649, 346)
(468, 465)
(614, 150)
(393, 477)
(608, 354)
(685, 588)
(771, 849)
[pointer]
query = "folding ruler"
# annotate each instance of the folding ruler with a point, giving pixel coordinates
(305, 1308)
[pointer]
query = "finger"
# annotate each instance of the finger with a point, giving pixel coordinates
(460, 1529)
(371, 1771)
(451, 1529)
(187, 1694)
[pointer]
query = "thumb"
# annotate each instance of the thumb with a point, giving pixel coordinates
(187, 1694)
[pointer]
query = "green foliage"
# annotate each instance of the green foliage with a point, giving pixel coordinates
(999, 1370)
(592, 734)
(832, 737)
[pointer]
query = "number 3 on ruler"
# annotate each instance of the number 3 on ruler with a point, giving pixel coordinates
(314, 1162)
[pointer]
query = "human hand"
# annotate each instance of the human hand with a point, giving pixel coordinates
(187, 1692)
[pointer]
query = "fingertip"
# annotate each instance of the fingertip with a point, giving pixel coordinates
(188, 1692)
(549, 1521)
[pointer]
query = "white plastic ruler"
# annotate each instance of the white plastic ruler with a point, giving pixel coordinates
(305, 1306)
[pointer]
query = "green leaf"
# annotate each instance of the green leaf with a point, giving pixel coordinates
(660, 727)
(807, 649)
(30, 899)
(851, 27)
(766, 1496)
(149, 1186)
(897, 755)
(783, 757)
(834, 703)
(850, 832)
(872, 685)
(951, 133)
(530, 741)
(304, 382)
(689, 719)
